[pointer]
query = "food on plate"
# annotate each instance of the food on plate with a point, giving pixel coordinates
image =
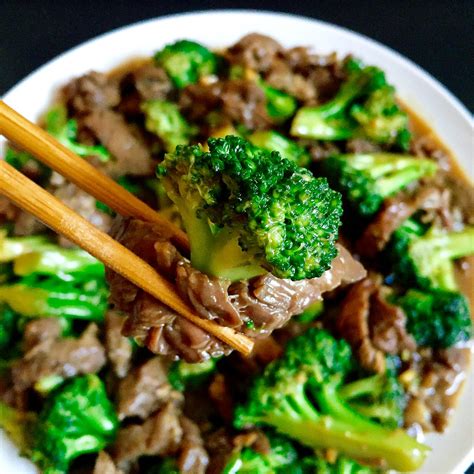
(325, 221)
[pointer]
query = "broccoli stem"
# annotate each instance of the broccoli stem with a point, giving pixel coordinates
(16, 424)
(59, 262)
(215, 252)
(345, 430)
(14, 247)
(370, 385)
(31, 302)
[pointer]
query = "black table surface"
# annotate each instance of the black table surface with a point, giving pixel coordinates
(435, 34)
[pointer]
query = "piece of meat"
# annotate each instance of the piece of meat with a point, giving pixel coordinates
(433, 400)
(159, 435)
(267, 300)
(145, 389)
(254, 51)
(105, 465)
(118, 347)
(193, 458)
(393, 213)
(372, 326)
(84, 204)
(129, 153)
(8, 211)
(66, 357)
(40, 330)
(387, 324)
(91, 91)
(27, 224)
(222, 397)
(151, 82)
(353, 325)
(237, 101)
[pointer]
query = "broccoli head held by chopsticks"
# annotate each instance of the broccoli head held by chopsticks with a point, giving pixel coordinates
(247, 211)
(302, 396)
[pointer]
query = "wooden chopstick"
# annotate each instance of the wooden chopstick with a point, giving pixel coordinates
(35, 200)
(49, 151)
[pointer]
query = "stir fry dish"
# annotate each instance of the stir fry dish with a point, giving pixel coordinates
(326, 222)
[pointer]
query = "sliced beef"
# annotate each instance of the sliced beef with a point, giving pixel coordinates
(105, 465)
(268, 301)
(372, 326)
(387, 324)
(151, 82)
(91, 91)
(27, 224)
(220, 394)
(160, 435)
(254, 51)
(84, 204)
(8, 211)
(144, 390)
(393, 213)
(353, 325)
(193, 458)
(129, 153)
(441, 376)
(66, 357)
(237, 101)
(118, 347)
(40, 330)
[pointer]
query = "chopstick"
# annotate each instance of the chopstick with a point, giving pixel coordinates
(35, 200)
(49, 151)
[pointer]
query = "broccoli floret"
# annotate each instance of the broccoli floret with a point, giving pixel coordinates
(280, 105)
(247, 210)
(186, 62)
(425, 258)
(274, 141)
(65, 131)
(364, 106)
(36, 296)
(78, 418)
(281, 455)
(298, 395)
(365, 180)
(183, 375)
(165, 120)
(318, 465)
(436, 318)
(312, 312)
(379, 397)
(8, 328)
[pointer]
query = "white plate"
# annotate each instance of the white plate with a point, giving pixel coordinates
(453, 451)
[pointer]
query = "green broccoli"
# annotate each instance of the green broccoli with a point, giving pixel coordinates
(78, 418)
(65, 131)
(379, 397)
(273, 141)
(317, 465)
(364, 106)
(165, 120)
(186, 62)
(365, 180)
(298, 395)
(247, 210)
(14, 247)
(280, 105)
(165, 466)
(281, 455)
(183, 375)
(36, 296)
(8, 328)
(424, 258)
(312, 312)
(436, 318)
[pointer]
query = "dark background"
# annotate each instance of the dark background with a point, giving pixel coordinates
(435, 34)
